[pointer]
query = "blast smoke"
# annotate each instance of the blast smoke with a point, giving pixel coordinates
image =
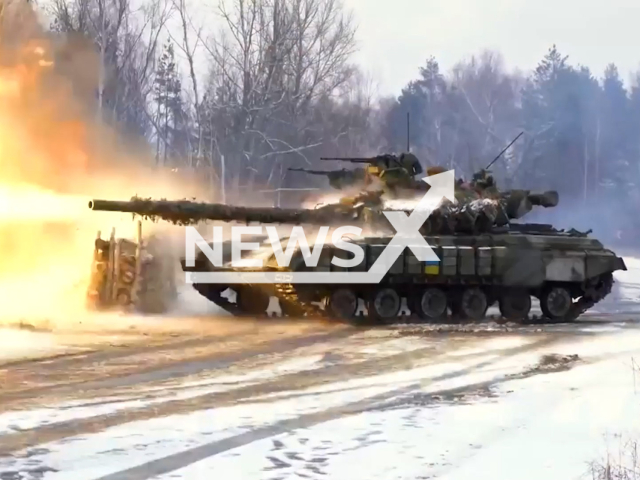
(54, 156)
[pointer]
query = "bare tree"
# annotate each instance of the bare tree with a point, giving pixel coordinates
(488, 100)
(354, 120)
(126, 41)
(189, 40)
(271, 64)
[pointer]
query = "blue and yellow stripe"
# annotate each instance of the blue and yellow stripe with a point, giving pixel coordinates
(432, 267)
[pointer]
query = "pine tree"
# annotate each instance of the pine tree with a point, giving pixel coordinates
(614, 120)
(170, 117)
(553, 108)
(424, 100)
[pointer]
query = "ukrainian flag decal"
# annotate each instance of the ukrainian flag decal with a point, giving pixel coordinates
(432, 267)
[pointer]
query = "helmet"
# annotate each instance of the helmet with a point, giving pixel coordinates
(411, 163)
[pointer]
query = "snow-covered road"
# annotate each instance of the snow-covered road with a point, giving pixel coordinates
(333, 402)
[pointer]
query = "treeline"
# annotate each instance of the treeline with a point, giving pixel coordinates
(581, 133)
(281, 90)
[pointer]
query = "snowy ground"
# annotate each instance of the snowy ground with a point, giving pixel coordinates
(627, 289)
(399, 403)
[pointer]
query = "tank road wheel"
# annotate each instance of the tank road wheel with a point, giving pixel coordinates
(556, 303)
(342, 304)
(473, 304)
(384, 305)
(432, 305)
(515, 305)
(252, 301)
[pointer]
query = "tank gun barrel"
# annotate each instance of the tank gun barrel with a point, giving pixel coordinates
(547, 199)
(111, 206)
(185, 212)
(312, 172)
(365, 210)
(338, 179)
(351, 159)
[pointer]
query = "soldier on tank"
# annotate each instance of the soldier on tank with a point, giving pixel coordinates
(483, 180)
(399, 173)
(484, 184)
(410, 163)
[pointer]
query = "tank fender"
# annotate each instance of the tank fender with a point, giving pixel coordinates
(603, 261)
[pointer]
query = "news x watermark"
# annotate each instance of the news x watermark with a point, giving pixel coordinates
(407, 235)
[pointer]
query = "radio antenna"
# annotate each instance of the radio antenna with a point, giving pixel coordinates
(503, 150)
(408, 131)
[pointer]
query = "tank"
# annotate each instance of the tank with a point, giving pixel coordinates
(484, 258)
(131, 275)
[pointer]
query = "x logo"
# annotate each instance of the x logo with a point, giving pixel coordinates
(408, 226)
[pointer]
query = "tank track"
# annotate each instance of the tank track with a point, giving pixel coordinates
(291, 305)
(216, 297)
(595, 292)
(286, 294)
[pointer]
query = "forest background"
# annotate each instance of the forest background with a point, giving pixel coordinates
(274, 85)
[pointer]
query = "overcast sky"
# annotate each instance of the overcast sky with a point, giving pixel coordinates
(396, 36)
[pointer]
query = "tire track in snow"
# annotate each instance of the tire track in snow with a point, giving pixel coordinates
(303, 379)
(290, 455)
(187, 457)
(169, 370)
(59, 430)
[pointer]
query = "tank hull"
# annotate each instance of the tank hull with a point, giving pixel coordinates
(567, 273)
